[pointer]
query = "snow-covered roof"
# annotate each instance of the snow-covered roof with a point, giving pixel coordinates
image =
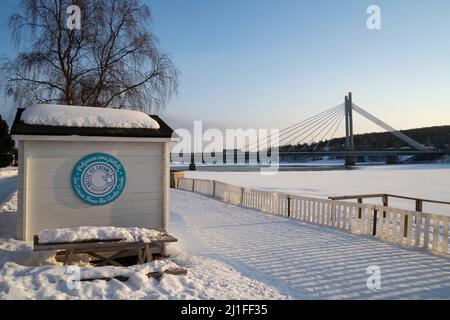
(87, 117)
(50, 120)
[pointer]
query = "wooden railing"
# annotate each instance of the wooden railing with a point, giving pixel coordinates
(404, 227)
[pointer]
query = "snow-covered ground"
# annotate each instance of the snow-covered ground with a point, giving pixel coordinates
(25, 274)
(428, 181)
(8, 172)
(303, 260)
(8, 214)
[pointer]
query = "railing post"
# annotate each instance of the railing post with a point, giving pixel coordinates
(214, 189)
(193, 185)
(419, 205)
(333, 213)
(385, 203)
(242, 196)
(288, 206)
(360, 201)
(375, 216)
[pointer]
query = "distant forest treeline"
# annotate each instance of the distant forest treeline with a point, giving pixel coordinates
(436, 137)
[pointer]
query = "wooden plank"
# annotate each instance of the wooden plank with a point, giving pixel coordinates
(314, 211)
(394, 232)
(362, 219)
(302, 209)
(294, 208)
(418, 228)
(409, 235)
(387, 223)
(435, 234)
(354, 218)
(401, 235)
(370, 213)
(445, 236)
(426, 236)
(344, 216)
(378, 195)
(322, 213)
(328, 214)
(379, 226)
(308, 211)
(156, 275)
(333, 214)
(97, 245)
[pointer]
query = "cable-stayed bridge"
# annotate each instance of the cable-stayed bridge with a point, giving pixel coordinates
(312, 137)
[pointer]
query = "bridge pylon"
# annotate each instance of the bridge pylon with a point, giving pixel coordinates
(349, 141)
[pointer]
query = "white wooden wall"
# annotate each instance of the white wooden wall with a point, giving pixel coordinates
(49, 201)
(20, 227)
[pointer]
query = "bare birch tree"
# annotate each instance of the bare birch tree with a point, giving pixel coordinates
(113, 60)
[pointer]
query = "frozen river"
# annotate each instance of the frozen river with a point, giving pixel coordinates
(428, 181)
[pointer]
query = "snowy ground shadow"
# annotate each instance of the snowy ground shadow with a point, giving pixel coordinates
(8, 225)
(305, 260)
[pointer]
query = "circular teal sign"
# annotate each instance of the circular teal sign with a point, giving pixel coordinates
(98, 179)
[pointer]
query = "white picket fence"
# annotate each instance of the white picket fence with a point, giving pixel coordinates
(406, 228)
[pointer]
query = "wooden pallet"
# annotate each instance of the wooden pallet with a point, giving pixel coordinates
(96, 249)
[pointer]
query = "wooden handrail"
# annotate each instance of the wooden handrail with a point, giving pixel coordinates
(380, 195)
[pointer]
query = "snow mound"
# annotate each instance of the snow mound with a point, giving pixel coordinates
(79, 234)
(19, 252)
(10, 205)
(8, 172)
(25, 276)
(75, 116)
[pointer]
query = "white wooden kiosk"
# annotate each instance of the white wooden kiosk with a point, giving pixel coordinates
(86, 167)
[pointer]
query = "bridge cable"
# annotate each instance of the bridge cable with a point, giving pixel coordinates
(311, 124)
(317, 127)
(338, 119)
(291, 128)
(323, 125)
(335, 130)
(316, 124)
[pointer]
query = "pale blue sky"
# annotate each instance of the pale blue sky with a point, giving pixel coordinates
(256, 63)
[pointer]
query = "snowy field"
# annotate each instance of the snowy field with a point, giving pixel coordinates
(428, 181)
